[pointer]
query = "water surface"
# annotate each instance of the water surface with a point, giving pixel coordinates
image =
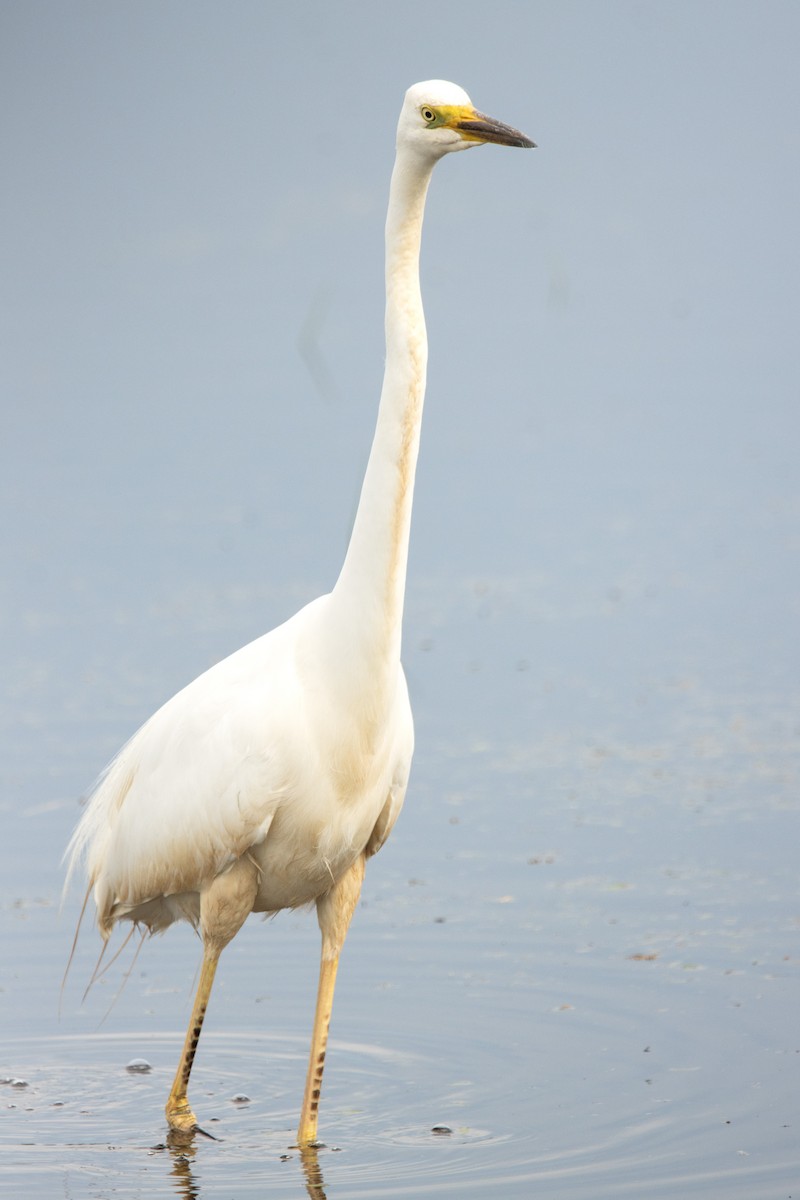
(577, 954)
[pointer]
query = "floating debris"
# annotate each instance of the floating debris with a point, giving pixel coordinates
(138, 1066)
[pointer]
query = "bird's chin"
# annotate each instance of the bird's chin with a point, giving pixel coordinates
(455, 143)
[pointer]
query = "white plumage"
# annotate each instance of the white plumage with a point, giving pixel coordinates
(251, 757)
(270, 779)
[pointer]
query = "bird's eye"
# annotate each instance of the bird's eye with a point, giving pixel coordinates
(428, 114)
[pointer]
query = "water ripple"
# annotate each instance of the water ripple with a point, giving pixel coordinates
(86, 1125)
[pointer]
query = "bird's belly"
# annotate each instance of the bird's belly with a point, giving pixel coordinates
(308, 849)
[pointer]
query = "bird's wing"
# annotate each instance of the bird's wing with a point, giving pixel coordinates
(196, 786)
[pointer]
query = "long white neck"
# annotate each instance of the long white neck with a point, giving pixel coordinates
(367, 601)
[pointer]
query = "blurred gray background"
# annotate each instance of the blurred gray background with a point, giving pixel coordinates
(192, 216)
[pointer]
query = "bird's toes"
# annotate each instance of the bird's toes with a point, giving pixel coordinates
(182, 1120)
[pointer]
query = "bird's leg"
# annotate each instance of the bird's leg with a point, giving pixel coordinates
(178, 1110)
(224, 906)
(334, 912)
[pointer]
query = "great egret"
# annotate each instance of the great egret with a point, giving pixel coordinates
(270, 780)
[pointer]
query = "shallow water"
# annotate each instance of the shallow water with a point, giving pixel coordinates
(577, 954)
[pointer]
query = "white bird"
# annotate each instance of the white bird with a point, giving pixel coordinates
(270, 780)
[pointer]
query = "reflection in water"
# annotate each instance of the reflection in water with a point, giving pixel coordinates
(312, 1172)
(183, 1151)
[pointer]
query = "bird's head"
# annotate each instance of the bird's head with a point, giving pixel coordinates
(438, 117)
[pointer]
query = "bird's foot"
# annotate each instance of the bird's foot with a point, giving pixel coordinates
(181, 1118)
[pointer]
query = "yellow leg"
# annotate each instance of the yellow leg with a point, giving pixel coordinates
(224, 905)
(334, 911)
(307, 1129)
(179, 1113)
